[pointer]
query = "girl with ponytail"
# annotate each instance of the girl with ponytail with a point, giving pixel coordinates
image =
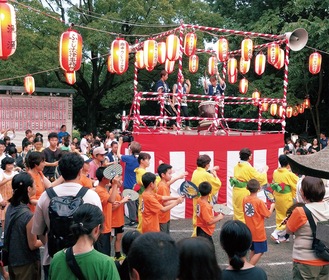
(235, 239)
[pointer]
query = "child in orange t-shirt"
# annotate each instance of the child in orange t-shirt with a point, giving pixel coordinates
(118, 222)
(103, 244)
(205, 219)
(151, 206)
(84, 176)
(163, 188)
(255, 212)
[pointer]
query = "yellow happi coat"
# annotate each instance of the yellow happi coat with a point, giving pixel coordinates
(283, 198)
(201, 175)
(244, 172)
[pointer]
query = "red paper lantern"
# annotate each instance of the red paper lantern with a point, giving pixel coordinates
(243, 86)
(280, 111)
(110, 65)
(120, 55)
(273, 109)
(280, 62)
(221, 49)
(29, 84)
(273, 52)
(70, 51)
(232, 66)
(314, 64)
(190, 43)
(247, 48)
(140, 59)
(162, 52)
(307, 103)
(7, 30)
(264, 107)
(301, 109)
(70, 78)
(244, 66)
(289, 111)
(193, 63)
(172, 47)
(295, 111)
(233, 78)
(260, 61)
(150, 54)
(169, 66)
(212, 66)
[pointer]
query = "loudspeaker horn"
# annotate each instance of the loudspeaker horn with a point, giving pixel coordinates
(297, 39)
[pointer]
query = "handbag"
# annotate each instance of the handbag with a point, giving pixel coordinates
(320, 249)
(73, 265)
(4, 254)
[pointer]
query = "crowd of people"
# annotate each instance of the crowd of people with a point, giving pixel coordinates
(303, 147)
(68, 167)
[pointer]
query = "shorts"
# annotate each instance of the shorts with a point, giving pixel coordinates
(115, 231)
(259, 247)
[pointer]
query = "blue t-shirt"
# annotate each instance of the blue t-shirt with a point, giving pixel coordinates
(130, 176)
(62, 134)
(218, 90)
(324, 142)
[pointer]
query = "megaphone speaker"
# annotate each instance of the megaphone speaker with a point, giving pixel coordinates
(297, 39)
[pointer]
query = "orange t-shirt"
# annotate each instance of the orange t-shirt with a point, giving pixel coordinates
(104, 195)
(118, 219)
(204, 215)
(297, 219)
(86, 182)
(163, 190)
(39, 187)
(255, 211)
(150, 208)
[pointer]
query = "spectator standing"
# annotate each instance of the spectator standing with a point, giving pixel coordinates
(52, 155)
(62, 133)
(323, 140)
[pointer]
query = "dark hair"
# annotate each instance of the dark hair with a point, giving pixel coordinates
(85, 219)
(70, 165)
(143, 156)
(313, 189)
(235, 239)
(301, 151)
(28, 131)
(205, 188)
(20, 183)
(83, 134)
(154, 255)
(245, 153)
(38, 139)
(113, 143)
(2, 142)
(128, 239)
(100, 173)
(62, 126)
(163, 169)
(163, 73)
(148, 178)
(253, 185)
(6, 138)
(5, 161)
(197, 259)
(26, 144)
(52, 135)
(66, 141)
(11, 150)
(283, 160)
(34, 159)
(203, 160)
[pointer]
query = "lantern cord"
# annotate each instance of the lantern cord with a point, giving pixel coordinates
(315, 49)
(36, 10)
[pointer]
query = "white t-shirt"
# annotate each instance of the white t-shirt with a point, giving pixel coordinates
(84, 145)
(41, 214)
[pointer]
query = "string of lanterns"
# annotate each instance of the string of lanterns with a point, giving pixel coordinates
(70, 56)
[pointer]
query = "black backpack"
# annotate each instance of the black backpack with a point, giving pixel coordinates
(61, 210)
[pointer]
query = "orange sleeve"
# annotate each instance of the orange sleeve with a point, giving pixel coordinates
(297, 219)
(103, 194)
(206, 215)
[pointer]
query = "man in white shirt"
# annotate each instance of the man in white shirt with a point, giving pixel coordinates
(84, 145)
(70, 167)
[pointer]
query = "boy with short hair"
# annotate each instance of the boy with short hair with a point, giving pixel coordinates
(205, 220)
(255, 212)
(163, 188)
(151, 207)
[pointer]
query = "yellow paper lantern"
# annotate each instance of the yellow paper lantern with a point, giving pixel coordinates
(244, 66)
(120, 55)
(289, 111)
(140, 59)
(172, 47)
(169, 66)
(221, 49)
(7, 30)
(273, 109)
(247, 48)
(190, 43)
(280, 62)
(150, 54)
(29, 84)
(243, 86)
(315, 63)
(193, 64)
(260, 61)
(273, 52)
(232, 66)
(212, 65)
(162, 52)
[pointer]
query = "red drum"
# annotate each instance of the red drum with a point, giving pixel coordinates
(207, 109)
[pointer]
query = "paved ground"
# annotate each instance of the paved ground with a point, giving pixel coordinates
(277, 262)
